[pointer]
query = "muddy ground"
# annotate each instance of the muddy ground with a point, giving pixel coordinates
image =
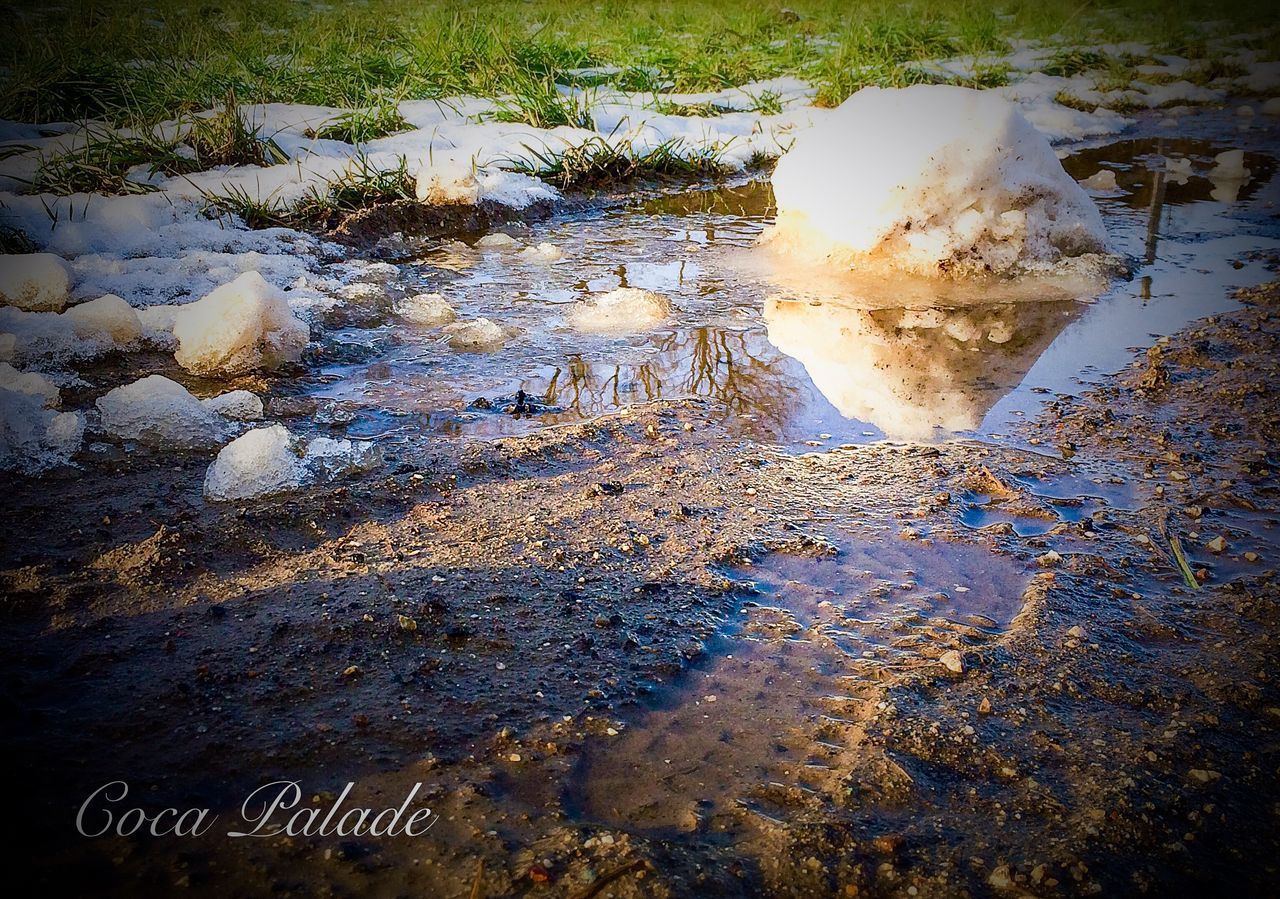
(639, 658)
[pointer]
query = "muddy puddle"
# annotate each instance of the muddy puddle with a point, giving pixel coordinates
(800, 364)
(777, 711)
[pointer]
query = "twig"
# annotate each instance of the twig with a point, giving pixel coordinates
(605, 879)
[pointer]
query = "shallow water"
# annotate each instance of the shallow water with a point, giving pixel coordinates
(803, 367)
(777, 705)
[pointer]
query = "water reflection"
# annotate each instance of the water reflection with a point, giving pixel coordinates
(910, 371)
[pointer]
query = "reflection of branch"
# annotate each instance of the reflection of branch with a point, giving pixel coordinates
(703, 362)
(1157, 205)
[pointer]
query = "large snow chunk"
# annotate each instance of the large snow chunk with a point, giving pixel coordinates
(240, 327)
(625, 310)
(270, 461)
(931, 179)
(108, 320)
(33, 437)
(262, 462)
(39, 282)
(161, 413)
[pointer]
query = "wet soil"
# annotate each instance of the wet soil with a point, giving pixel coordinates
(646, 654)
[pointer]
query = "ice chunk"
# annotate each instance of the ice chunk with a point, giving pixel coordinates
(161, 413)
(261, 462)
(625, 310)
(33, 437)
(932, 179)
(1271, 107)
(543, 252)
(1229, 164)
(39, 282)
(429, 309)
(270, 461)
(238, 405)
(329, 459)
(30, 382)
(497, 240)
(239, 327)
(1101, 180)
(478, 334)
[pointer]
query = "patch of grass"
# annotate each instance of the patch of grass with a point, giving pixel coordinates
(767, 103)
(102, 162)
(1208, 70)
(1068, 63)
(361, 186)
(362, 125)
(224, 138)
(1063, 98)
(14, 241)
(109, 60)
(598, 162)
(539, 102)
(689, 110)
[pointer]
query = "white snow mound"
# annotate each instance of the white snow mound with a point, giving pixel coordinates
(931, 179)
(38, 282)
(240, 327)
(30, 382)
(161, 413)
(270, 461)
(237, 405)
(627, 309)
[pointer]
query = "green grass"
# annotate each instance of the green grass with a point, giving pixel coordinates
(535, 100)
(129, 64)
(362, 125)
(597, 162)
(361, 186)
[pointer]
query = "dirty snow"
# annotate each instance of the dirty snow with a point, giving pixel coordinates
(930, 179)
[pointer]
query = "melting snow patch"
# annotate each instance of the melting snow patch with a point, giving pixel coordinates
(270, 461)
(30, 382)
(543, 252)
(497, 240)
(161, 413)
(479, 334)
(931, 179)
(91, 329)
(240, 327)
(428, 309)
(39, 282)
(34, 437)
(625, 310)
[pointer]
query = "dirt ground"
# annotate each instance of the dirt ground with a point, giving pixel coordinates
(639, 658)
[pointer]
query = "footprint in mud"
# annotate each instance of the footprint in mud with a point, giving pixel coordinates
(772, 724)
